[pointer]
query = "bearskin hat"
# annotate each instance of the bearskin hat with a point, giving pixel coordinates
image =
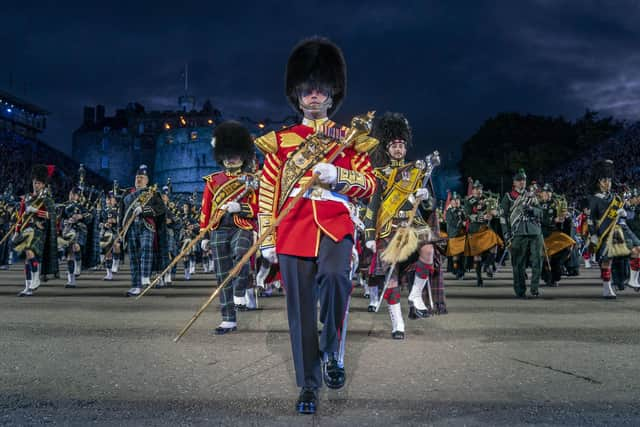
(318, 61)
(392, 126)
(230, 139)
(40, 173)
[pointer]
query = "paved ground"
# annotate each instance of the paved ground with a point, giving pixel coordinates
(89, 356)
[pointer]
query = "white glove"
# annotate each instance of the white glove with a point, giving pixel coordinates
(594, 240)
(31, 209)
(270, 255)
(204, 244)
(137, 211)
(422, 193)
(371, 245)
(231, 207)
(622, 213)
(327, 173)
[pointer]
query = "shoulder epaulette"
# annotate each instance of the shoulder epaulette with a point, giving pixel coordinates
(267, 143)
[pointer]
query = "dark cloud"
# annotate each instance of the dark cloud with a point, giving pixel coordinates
(446, 65)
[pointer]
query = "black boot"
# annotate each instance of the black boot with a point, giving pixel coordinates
(307, 401)
(479, 282)
(334, 375)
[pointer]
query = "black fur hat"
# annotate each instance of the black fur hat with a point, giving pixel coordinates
(232, 138)
(40, 173)
(316, 60)
(392, 126)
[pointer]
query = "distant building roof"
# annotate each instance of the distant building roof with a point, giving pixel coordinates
(18, 102)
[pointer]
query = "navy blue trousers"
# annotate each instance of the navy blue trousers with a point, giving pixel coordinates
(307, 281)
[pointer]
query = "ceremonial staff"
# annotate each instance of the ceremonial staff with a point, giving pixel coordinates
(360, 125)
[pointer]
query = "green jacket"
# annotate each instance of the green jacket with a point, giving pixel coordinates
(519, 219)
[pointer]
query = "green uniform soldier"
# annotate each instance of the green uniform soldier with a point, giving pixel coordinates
(482, 240)
(455, 219)
(521, 224)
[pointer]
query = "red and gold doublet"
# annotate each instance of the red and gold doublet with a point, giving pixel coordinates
(224, 187)
(300, 231)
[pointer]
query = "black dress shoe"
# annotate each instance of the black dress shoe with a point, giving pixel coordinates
(535, 293)
(307, 401)
(241, 307)
(372, 308)
(397, 335)
(414, 313)
(334, 376)
(221, 331)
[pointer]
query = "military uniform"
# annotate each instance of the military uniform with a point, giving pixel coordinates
(149, 224)
(76, 220)
(521, 222)
(455, 218)
(229, 209)
(314, 241)
(612, 238)
(557, 240)
(482, 241)
(389, 209)
(35, 233)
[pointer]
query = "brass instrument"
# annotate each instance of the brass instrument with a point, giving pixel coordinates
(561, 205)
(36, 203)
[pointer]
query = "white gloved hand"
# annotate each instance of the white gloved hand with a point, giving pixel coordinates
(204, 245)
(231, 207)
(137, 211)
(371, 245)
(31, 209)
(422, 193)
(622, 213)
(594, 240)
(270, 255)
(327, 173)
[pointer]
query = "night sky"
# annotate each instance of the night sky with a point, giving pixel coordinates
(447, 65)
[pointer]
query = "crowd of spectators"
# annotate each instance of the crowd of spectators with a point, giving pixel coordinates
(574, 177)
(18, 154)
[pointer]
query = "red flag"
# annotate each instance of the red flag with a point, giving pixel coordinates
(50, 170)
(446, 204)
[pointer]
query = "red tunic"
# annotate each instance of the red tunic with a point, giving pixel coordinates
(300, 231)
(224, 187)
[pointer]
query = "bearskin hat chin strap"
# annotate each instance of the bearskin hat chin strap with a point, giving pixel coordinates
(313, 110)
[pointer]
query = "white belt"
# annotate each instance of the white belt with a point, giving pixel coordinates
(322, 194)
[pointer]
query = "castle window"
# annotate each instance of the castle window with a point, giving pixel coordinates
(194, 135)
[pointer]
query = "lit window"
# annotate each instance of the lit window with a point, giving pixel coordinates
(194, 135)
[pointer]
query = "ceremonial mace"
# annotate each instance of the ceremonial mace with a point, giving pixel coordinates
(360, 125)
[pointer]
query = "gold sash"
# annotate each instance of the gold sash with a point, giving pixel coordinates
(396, 195)
(310, 152)
(223, 195)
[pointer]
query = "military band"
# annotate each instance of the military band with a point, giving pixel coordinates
(333, 207)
